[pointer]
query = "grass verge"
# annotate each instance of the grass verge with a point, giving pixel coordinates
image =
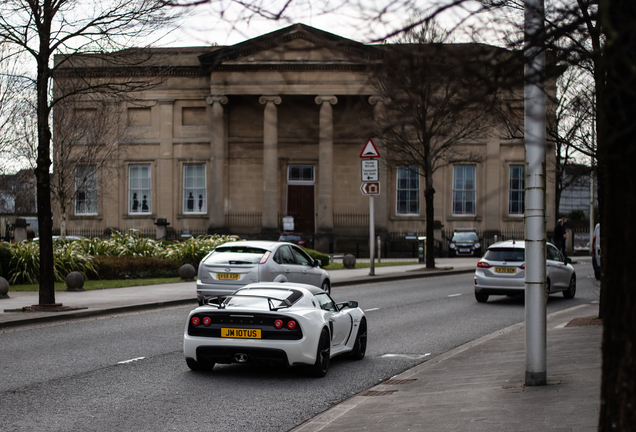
(102, 284)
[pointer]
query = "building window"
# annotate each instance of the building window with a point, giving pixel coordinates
(517, 194)
(408, 190)
(464, 190)
(194, 192)
(139, 191)
(86, 187)
(299, 174)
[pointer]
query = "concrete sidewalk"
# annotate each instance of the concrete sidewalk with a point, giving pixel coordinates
(479, 386)
(99, 302)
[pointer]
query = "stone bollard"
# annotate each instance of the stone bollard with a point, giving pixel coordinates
(187, 272)
(4, 288)
(75, 281)
(349, 261)
(20, 230)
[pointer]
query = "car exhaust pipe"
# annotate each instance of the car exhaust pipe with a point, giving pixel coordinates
(240, 358)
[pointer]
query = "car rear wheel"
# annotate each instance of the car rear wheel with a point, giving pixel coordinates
(321, 366)
(571, 291)
(481, 297)
(326, 287)
(360, 344)
(199, 367)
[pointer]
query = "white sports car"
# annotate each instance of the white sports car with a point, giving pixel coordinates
(274, 323)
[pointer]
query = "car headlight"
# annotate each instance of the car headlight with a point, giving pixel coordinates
(477, 245)
(452, 246)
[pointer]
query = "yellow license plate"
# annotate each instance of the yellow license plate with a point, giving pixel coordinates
(241, 333)
(505, 270)
(235, 276)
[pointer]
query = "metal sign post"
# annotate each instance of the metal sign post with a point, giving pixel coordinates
(370, 186)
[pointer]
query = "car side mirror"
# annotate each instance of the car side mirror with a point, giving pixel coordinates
(317, 263)
(568, 260)
(350, 304)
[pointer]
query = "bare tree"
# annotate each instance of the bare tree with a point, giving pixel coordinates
(437, 100)
(88, 135)
(40, 29)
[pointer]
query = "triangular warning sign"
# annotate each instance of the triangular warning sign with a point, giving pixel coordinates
(369, 151)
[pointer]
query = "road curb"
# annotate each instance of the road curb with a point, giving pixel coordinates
(413, 275)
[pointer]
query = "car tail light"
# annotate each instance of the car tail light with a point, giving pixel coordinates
(195, 321)
(594, 246)
(265, 257)
(291, 324)
(278, 323)
(207, 321)
(522, 266)
(482, 264)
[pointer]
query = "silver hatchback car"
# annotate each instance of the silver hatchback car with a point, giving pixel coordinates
(235, 264)
(502, 271)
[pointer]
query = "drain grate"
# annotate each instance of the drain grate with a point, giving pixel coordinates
(399, 382)
(378, 393)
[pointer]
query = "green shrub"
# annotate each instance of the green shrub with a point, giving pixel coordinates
(129, 267)
(193, 250)
(324, 258)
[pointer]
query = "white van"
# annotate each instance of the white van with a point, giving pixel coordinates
(596, 251)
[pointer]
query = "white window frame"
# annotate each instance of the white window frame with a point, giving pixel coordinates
(86, 185)
(195, 199)
(139, 192)
(519, 188)
(412, 173)
(462, 192)
(309, 181)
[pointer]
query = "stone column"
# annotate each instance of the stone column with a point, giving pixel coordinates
(381, 202)
(164, 204)
(270, 230)
(218, 145)
(324, 232)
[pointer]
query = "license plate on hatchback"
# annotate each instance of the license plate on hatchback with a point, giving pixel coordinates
(241, 333)
(234, 276)
(505, 270)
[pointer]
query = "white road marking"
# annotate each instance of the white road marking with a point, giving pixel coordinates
(372, 309)
(410, 356)
(561, 325)
(454, 295)
(131, 360)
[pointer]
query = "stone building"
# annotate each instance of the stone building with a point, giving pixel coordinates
(234, 138)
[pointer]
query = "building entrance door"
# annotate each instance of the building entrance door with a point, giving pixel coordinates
(300, 205)
(300, 197)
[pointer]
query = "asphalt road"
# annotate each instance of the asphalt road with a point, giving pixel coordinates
(127, 372)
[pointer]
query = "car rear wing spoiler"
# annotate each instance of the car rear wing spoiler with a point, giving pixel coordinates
(220, 304)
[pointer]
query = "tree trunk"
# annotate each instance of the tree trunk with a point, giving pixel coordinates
(429, 194)
(43, 178)
(617, 156)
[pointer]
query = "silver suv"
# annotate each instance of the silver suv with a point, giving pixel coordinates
(235, 264)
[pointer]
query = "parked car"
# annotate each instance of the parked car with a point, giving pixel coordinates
(502, 271)
(596, 251)
(294, 238)
(464, 242)
(285, 324)
(236, 264)
(56, 238)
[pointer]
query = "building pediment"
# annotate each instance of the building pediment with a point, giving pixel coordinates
(296, 46)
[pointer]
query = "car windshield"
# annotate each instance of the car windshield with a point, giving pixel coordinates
(260, 299)
(236, 255)
(288, 238)
(505, 254)
(465, 236)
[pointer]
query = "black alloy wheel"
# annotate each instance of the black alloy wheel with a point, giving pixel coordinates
(326, 287)
(481, 297)
(321, 366)
(360, 344)
(571, 291)
(199, 367)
